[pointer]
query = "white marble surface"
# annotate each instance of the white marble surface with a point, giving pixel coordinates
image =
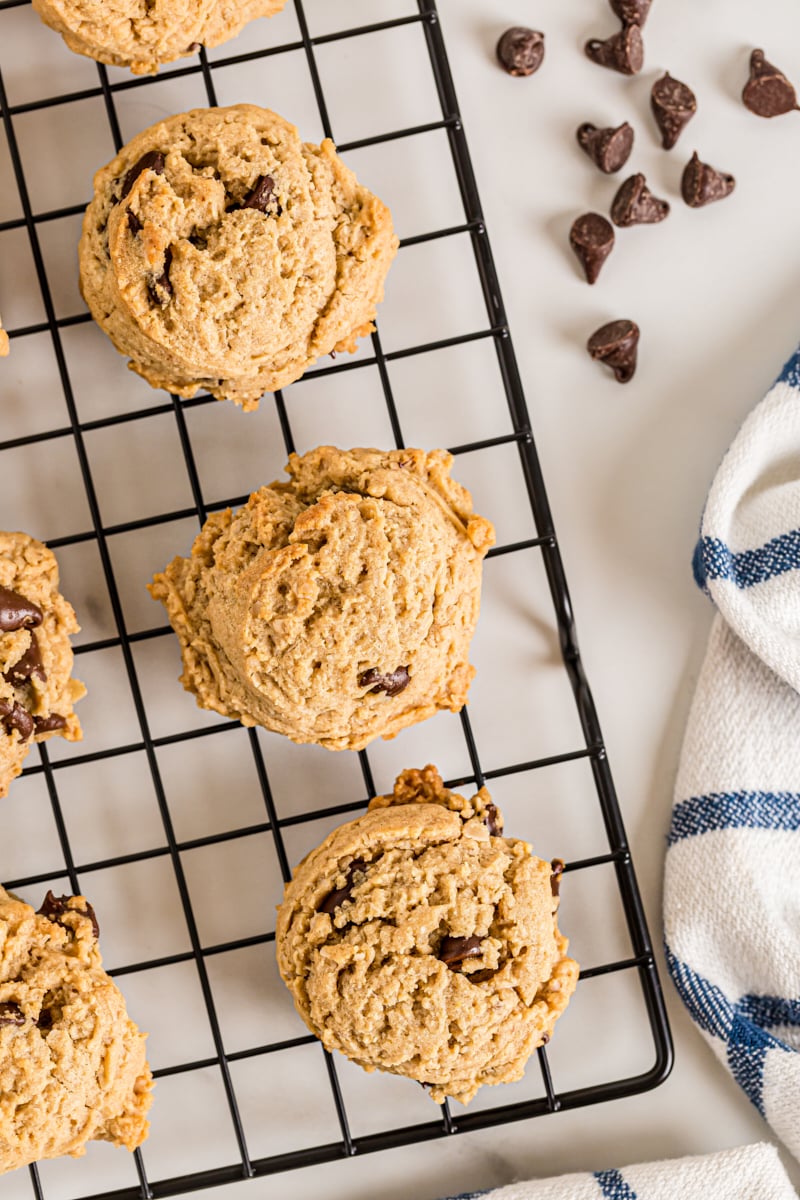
(716, 294)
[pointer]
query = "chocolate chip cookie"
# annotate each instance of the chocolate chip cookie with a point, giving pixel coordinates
(143, 34)
(72, 1064)
(221, 252)
(37, 692)
(418, 940)
(337, 607)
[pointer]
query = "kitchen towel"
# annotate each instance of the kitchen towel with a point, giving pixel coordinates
(747, 1173)
(732, 877)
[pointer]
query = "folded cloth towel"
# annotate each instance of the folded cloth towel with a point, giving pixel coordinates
(732, 878)
(747, 1173)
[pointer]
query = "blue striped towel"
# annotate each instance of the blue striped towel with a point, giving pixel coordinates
(732, 879)
(747, 1173)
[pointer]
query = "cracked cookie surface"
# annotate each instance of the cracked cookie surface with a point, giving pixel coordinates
(418, 940)
(221, 252)
(72, 1064)
(37, 691)
(337, 607)
(143, 34)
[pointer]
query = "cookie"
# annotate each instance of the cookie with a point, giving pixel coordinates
(221, 252)
(420, 941)
(337, 607)
(37, 692)
(72, 1064)
(143, 34)
(4, 347)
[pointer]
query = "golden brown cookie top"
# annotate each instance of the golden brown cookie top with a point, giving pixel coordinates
(143, 34)
(222, 252)
(337, 607)
(72, 1065)
(416, 941)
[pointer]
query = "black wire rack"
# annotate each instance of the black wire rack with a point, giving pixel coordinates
(641, 963)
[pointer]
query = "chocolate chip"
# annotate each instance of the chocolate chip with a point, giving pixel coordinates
(520, 50)
(160, 289)
(18, 613)
(767, 93)
(673, 104)
(635, 204)
(624, 52)
(491, 820)
(454, 950)
(616, 345)
(338, 896)
(261, 194)
(194, 48)
(545, 1039)
(152, 161)
(11, 1013)
(609, 149)
(45, 1020)
(702, 184)
(25, 668)
(54, 908)
(631, 12)
(393, 682)
(14, 716)
(49, 724)
(592, 239)
(557, 867)
(134, 224)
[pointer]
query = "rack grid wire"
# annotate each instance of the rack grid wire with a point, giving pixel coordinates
(641, 964)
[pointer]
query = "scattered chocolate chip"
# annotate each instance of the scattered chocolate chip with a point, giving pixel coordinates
(54, 908)
(520, 50)
(609, 149)
(592, 239)
(557, 866)
(767, 93)
(337, 897)
(11, 1013)
(134, 224)
(635, 204)
(702, 184)
(631, 12)
(160, 289)
(261, 194)
(49, 724)
(623, 52)
(18, 613)
(14, 716)
(393, 682)
(673, 104)
(491, 820)
(615, 345)
(454, 950)
(152, 161)
(27, 667)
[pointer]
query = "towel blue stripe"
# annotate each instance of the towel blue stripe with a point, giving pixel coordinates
(613, 1186)
(735, 810)
(770, 1011)
(791, 371)
(736, 1024)
(714, 560)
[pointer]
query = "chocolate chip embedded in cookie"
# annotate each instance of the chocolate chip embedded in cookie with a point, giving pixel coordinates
(72, 1062)
(417, 941)
(143, 34)
(337, 607)
(37, 692)
(221, 252)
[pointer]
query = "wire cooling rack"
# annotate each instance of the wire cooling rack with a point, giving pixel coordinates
(228, 1048)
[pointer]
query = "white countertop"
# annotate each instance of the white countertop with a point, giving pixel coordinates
(716, 294)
